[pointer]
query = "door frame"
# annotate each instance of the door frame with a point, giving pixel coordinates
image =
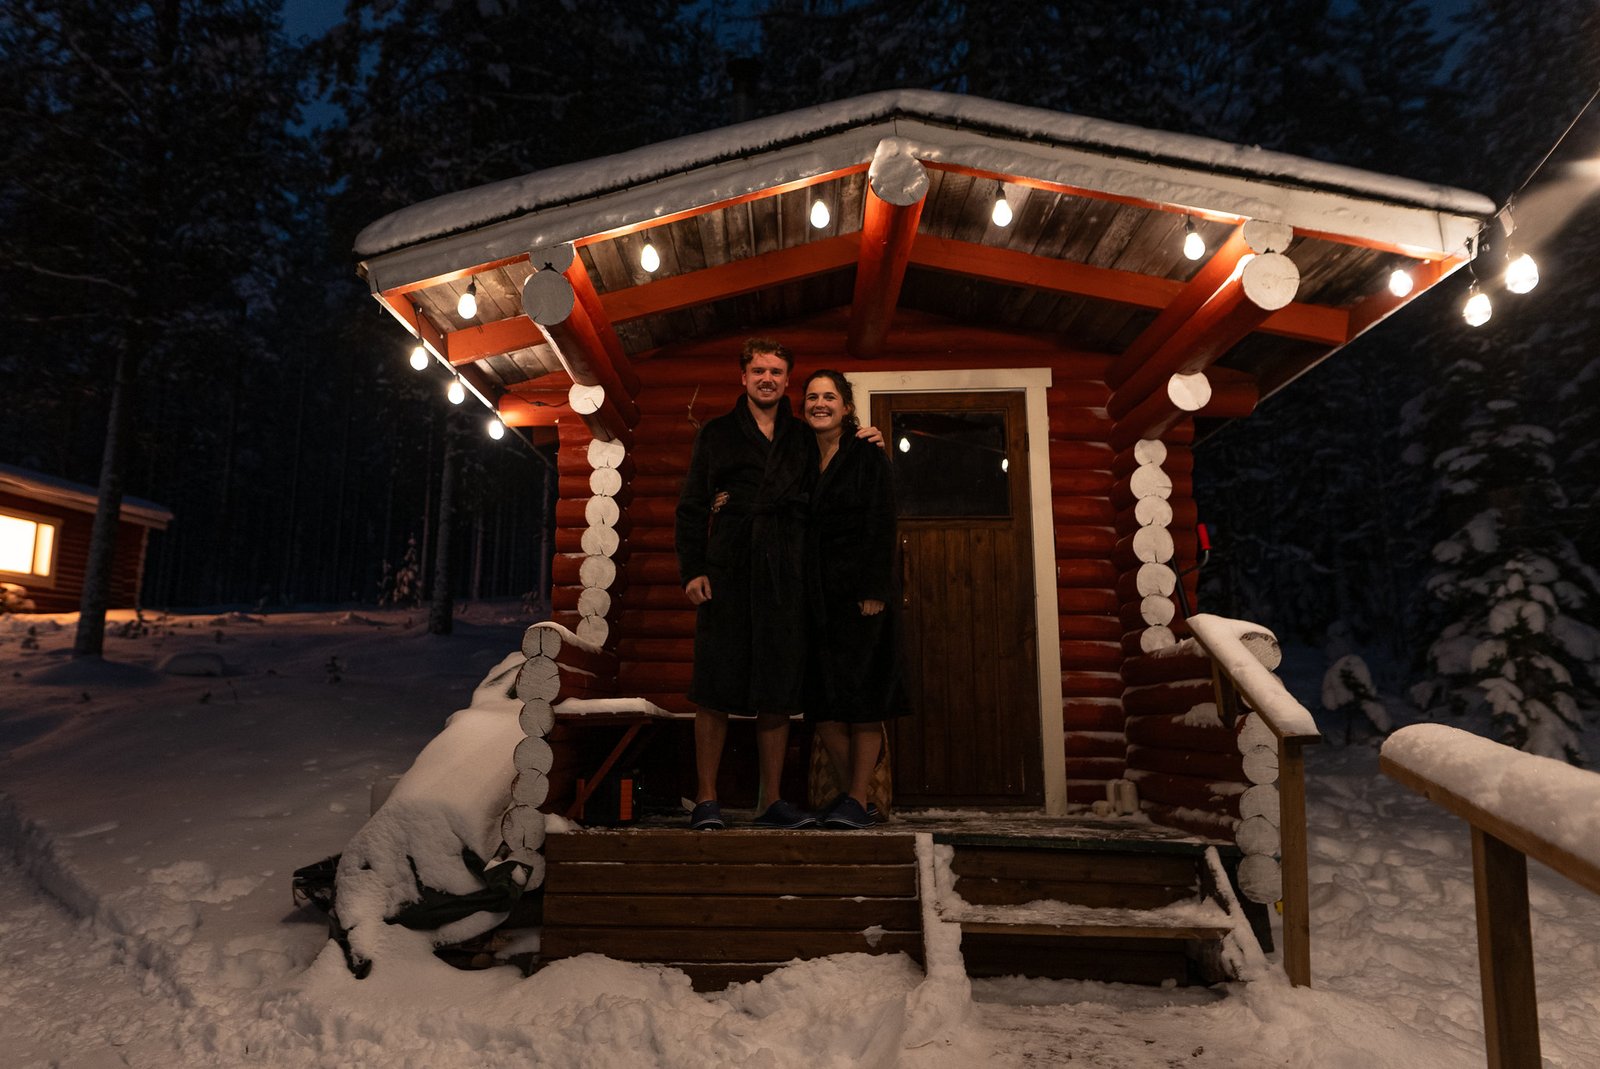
(1034, 383)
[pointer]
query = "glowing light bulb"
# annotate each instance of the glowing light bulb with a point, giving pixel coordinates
(467, 306)
(419, 359)
(1477, 310)
(456, 392)
(1400, 282)
(1005, 463)
(1002, 212)
(1522, 274)
(819, 214)
(905, 445)
(497, 430)
(649, 258)
(1194, 246)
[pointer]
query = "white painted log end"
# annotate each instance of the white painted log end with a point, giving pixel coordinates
(1270, 281)
(548, 298)
(586, 400)
(594, 629)
(1261, 764)
(530, 788)
(1153, 545)
(603, 454)
(1154, 639)
(1148, 480)
(601, 541)
(597, 573)
(1155, 578)
(601, 512)
(538, 716)
(605, 482)
(1150, 451)
(1260, 878)
(1190, 393)
(1157, 609)
(1261, 236)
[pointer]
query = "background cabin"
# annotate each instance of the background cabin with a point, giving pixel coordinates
(44, 539)
(1045, 313)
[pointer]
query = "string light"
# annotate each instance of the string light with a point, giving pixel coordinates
(1400, 282)
(497, 430)
(420, 359)
(820, 216)
(1477, 309)
(1002, 214)
(467, 306)
(456, 392)
(649, 258)
(1194, 246)
(905, 445)
(1522, 274)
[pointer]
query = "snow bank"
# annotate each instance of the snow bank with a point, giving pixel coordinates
(450, 800)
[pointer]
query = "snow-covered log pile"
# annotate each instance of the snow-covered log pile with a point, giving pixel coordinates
(448, 805)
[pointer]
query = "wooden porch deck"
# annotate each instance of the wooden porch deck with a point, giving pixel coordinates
(1121, 900)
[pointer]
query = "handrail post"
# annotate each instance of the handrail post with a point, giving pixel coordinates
(1296, 879)
(1505, 953)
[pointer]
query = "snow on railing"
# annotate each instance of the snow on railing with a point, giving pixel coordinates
(1519, 806)
(1243, 656)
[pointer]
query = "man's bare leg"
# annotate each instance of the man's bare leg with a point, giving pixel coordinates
(710, 733)
(772, 745)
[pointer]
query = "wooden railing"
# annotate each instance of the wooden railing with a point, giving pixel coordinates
(1519, 806)
(1242, 669)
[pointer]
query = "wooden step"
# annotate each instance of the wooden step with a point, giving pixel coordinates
(729, 906)
(1076, 909)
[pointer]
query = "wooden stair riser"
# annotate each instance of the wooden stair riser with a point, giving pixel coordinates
(718, 911)
(666, 878)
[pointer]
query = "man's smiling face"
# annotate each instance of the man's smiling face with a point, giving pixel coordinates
(765, 379)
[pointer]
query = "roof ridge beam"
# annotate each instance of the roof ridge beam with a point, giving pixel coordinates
(897, 187)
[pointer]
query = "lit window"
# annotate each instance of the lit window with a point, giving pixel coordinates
(27, 545)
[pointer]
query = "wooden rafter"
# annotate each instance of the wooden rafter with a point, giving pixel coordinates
(589, 300)
(422, 327)
(731, 279)
(1225, 319)
(1205, 284)
(888, 232)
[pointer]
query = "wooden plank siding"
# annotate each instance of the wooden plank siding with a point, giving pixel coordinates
(683, 385)
(64, 589)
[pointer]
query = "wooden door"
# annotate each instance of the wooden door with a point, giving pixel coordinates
(961, 491)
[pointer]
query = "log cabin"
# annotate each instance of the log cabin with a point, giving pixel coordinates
(1045, 314)
(45, 524)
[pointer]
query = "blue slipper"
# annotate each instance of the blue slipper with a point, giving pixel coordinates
(781, 814)
(848, 813)
(707, 816)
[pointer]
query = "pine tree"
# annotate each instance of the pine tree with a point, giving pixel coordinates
(133, 229)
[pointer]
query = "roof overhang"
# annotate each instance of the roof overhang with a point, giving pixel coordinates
(1097, 204)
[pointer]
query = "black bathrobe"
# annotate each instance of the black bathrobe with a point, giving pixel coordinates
(854, 670)
(749, 642)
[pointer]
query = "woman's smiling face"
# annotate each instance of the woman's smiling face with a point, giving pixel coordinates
(824, 406)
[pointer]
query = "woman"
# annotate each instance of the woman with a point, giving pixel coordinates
(853, 680)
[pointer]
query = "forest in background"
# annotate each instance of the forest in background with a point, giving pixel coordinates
(172, 219)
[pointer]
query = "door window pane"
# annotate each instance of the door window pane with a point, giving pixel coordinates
(950, 463)
(25, 545)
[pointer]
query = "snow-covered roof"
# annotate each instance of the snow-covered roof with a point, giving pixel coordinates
(984, 125)
(77, 496)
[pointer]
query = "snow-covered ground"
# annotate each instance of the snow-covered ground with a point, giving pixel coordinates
(151, 823)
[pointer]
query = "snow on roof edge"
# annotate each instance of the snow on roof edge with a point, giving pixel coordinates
(79, 496)
(498, 201)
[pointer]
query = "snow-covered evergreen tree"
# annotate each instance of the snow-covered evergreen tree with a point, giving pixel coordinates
(1512, 592)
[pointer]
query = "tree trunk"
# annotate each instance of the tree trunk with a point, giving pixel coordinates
(91, 635)
(441, 612)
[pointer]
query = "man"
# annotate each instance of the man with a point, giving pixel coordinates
(742, 569)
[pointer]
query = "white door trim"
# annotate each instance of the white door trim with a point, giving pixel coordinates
(1035, 383)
